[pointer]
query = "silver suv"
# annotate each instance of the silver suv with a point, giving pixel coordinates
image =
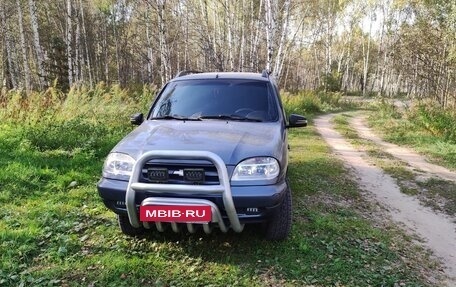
(211, 152)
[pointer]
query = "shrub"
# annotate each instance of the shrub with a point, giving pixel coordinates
(101, 103)
(307, 102)
(387, 110)
(332, 82)
(91, 120)
(302, 102)
(437, 121)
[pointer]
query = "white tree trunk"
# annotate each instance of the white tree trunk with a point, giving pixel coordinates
(208, 41)
(220, 59)
(366, 56)
(280, 53)
(186, 43)
(86, 45)
(149, 49)
(270, 28)
(229, 27)
(116, 41)
(165, 67)
(69, 42)
(242, 46)
(77, 57)
(9, 50)
(106, 55)
(23, 48)
(37, 44)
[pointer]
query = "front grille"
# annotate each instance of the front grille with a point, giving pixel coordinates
(176, 172)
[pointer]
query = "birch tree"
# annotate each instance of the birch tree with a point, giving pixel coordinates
(255, 35)
(26, 69)
(270, 30)
(86, 45)
(69, 42)
(149, 58)
(165, 70)
(11, 61)
(42, 75)
(284, 34)
(366, 55)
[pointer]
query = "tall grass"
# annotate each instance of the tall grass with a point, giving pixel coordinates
(82, 119)
(310, 102)
(99, 103)
(437, 121)
(424, 126)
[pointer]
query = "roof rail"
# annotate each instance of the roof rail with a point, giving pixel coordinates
(187, 72)
(265, 73)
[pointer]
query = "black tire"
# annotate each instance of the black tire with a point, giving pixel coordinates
(279, 226)
(127, 228)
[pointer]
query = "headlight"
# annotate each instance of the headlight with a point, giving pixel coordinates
(118, 166)
(257, 168)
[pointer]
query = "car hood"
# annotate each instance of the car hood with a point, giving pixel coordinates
(232, 141)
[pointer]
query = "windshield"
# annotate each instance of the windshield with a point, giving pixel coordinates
(217, 99)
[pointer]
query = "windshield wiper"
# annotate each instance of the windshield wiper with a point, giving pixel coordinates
(175, 117)
(229, 117)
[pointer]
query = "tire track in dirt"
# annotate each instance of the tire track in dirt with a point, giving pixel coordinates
(438, 231)
(410, 157)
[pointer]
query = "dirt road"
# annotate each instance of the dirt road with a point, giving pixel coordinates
(405, 154)
(437, 230)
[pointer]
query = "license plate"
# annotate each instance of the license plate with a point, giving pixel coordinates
(176, 213)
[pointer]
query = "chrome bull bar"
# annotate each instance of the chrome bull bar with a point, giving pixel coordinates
(223, 187)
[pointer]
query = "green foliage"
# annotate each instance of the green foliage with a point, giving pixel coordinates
(332, 82)
(387, 109)
(426, 127)
(309, 102)
(439, 122)
(88, 120)
(111, 105)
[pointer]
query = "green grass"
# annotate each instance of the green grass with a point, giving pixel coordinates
(412, 128)
(311, 102)
(55, 231)
(341, 122)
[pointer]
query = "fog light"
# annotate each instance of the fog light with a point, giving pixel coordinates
(194, 175)
(158, 174)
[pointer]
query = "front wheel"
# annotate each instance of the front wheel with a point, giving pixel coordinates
(127, 228)
(279, 226)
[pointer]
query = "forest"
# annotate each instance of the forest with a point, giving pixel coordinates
(384, 47)
(372, 176)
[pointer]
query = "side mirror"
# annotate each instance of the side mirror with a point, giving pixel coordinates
(137, 119)
(296, 121)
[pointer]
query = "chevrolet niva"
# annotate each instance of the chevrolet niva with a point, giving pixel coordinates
(211, 152)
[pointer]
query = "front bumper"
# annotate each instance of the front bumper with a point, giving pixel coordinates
(229, 204)
(265, 198)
